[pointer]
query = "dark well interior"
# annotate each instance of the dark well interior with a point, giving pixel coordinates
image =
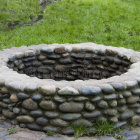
(62, 65)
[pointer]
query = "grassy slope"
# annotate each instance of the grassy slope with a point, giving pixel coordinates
(109, 22)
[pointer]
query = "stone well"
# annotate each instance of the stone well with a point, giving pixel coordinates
(54, 87)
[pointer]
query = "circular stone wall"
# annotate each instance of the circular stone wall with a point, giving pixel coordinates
(54, 87)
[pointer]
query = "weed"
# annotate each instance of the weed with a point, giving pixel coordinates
(11, 130)
(50, 133)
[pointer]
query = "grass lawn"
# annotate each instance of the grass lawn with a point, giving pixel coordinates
(109, 22)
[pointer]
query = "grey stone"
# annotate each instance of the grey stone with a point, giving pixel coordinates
(93, 114)
(129, 135)
(25, 119)
(34, 127)
(51, 128)
(68, 91)
(126, 115)
(82, 122)
(138, 111)
(7, 101)
(51, 114)
(70, 116)
(136, 120)
(53, 56)
(37, 97)
(132, 99)
(16, 110)
(118, 86)
(59, 99)
(96, 99)
(42, 121)
(8, 114)
(131, 84)
(29, 104)
(5, 124)
(122, 109)
(107, 88)
(47, 49)
(3, 133)
(110, 112)
(71, 107)
(80, 99)
(90, 90)
(68, 131)
(58, 123)
(36, 113)
(113, 103)
(53, 138)
(126, 93)
(103, 104)
(8, 138)
(48, 105)
(136, 91)
(3, 105)
(120, 124)
(121, 102)
(110, 97)
(89, 106)
(48, 90)
(106, 138)
(24, 111)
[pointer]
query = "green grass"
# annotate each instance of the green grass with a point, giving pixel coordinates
(109, 22)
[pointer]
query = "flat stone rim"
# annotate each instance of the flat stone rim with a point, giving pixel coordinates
(12, 79)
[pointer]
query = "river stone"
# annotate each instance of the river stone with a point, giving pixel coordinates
(136, 120)
(50, 128)
(42, 121)
(59, 99)
(103, 104)
(36, 113)
(80, 99)
(68, 91)
(22, 96)
(132, 99)
(48, 105)
(129, 135)
(126, 115)
(122, 108)
(34, 127)
(82, 122)
(8, 114)
(96, 99)
(51, 114)
(37, 97)
(16, 110)
(47, 49)
(106, 138)
(70, 116)
(120, 124)
(25, 119)
(3, 105)
(58, 122)
(90, 90)
(107, 88)
(93, 114)
(110, 112)
(131, 84)
(71, 107)
(110, 97)
(89, 106)
(136, 91)
(29, 104)
(113, 103)
(59, 50)
(48, 90)
(68, 131)
(126, 93)
(14, 98)
(118, 86)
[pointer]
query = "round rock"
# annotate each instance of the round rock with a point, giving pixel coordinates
(90, 90)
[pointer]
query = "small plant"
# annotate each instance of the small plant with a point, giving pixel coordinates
(80, 130)
(11, 130)
(104, 128)
(50, 133)
(117, 136)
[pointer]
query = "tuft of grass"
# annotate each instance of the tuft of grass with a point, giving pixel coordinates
(119, 137)
(11, 130)
(104, 128)
(50, 133)
(80, 130)
(108, 22)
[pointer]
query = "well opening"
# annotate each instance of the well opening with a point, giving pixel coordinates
(60, 64)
